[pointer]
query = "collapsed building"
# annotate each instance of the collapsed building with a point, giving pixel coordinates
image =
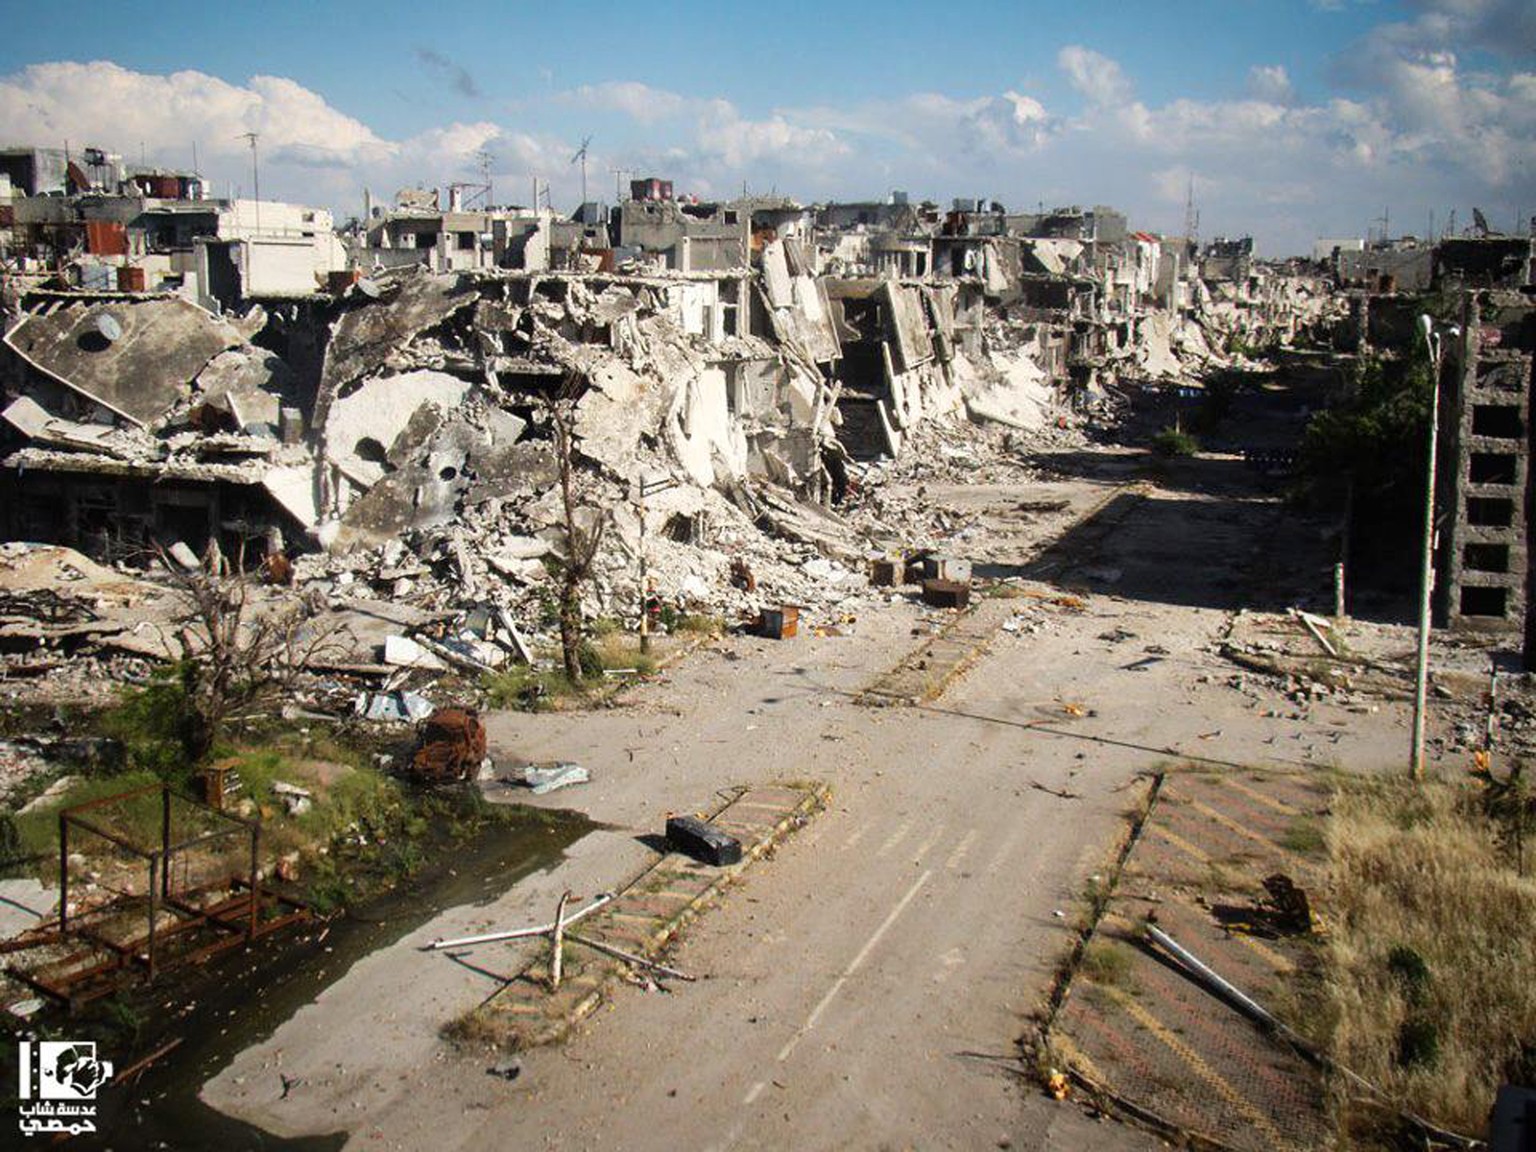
(743, 363)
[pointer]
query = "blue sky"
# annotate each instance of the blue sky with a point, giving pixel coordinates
(1294, 119)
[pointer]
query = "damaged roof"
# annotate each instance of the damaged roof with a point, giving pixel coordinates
(134, 357)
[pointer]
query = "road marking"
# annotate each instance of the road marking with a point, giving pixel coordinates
(1275, 959)
(961, 849)
(755, 1091)
(1180, 843)
(922, 849)
(1261, 797)
(854, 966)
(1197, 1065)
(1004, 850)
(896, 838)
(1232, 825)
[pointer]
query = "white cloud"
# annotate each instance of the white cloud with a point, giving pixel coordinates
(1271, 83)
(106, 104)
(638, 101)
(725, 136)
(1094, 75)
(1415, 127)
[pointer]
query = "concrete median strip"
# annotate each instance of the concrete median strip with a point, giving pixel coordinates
(642, 919)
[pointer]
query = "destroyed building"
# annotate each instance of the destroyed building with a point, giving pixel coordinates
(467, 235)
(1486, 479)
(395, 427)
(99, 225)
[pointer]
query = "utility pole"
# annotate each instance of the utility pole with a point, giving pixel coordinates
(581, 154)
(644, 488)
(255, 175)
(1427, 565)
(1191, 213)
(618, 185)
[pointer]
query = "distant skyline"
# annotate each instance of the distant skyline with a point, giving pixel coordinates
(1294, 119)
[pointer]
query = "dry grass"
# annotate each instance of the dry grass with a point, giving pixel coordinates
(1433, 948)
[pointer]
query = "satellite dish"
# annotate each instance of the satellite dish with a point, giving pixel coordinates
(370, 288)
(108, 328)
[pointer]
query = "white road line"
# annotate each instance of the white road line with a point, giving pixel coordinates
(1003, 852)
(961, 849)
(896, 838)
(922, 849)
(754, 1092)
(853, 967)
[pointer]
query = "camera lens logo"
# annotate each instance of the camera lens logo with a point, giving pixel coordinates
(59, 1081)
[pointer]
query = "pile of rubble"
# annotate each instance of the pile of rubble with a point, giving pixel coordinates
(409, 456)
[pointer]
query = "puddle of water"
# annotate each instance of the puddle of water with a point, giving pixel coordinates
(242, 998)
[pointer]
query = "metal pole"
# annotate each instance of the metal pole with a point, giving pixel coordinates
(1427, 567)
(645, 607)
(165, 840)
(63, 874)
(154, 909)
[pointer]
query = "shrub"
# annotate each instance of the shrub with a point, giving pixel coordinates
(1172, 442)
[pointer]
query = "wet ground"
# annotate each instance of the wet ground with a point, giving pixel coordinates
(215, 1013)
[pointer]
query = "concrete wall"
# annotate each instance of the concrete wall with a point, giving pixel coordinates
(1485, 557)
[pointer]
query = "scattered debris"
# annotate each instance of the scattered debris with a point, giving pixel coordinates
(703, 841)
(508, 1069)
(450, 746)
(555, 776)
(940, 593)
(780, 623)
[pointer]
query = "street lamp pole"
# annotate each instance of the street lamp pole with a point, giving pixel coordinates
(1427, 569)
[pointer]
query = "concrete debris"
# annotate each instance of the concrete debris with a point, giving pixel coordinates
(404, 652)
(548, 778)
(295, 800)
(703, 841)
(134, 358)
(390, 442)
(394, 707)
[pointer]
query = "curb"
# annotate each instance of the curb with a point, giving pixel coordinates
(524, 1014)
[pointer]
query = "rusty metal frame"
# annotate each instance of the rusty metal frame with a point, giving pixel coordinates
(235, 919)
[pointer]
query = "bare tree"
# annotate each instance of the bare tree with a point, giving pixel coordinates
(581, 542)
(236, 655)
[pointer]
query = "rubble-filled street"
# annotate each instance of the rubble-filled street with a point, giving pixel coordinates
(876, 974)
(733, 672)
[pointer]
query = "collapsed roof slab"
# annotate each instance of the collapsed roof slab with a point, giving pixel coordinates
(364, 337)
(362, 427)
(38, 425)
(133, 357)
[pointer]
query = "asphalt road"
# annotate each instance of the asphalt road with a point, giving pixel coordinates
(867, 986)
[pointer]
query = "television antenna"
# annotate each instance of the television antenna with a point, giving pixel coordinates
(581, 154)
(482, 190)
(1191, 213)
(252, 137)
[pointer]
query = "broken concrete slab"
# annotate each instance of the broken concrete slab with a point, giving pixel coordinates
(371, 332)
(136, 358)
(38, 425)
(294, 487)
(403, 652)
(364, 426)
(548, 778)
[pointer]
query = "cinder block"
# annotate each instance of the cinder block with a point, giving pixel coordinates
(704, 842)
(946, 593)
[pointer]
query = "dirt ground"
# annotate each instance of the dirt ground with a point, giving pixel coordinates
(868, 985)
